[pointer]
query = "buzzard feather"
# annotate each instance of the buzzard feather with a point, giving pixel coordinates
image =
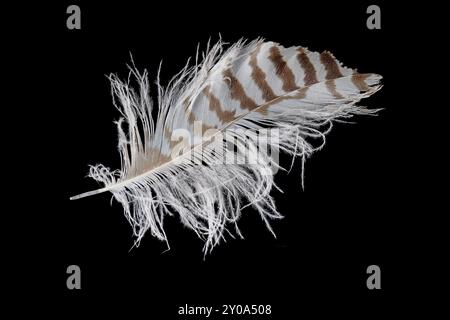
(209, 153)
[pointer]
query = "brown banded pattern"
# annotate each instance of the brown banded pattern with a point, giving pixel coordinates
(267, 78)
(331, 86)
(214, 105)
(358, 80)
(282, 70)
(333, 72)
(259, 77)
(308, 67)
(330, 65)
(237, 90)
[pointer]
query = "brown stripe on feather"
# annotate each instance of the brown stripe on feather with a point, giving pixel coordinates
(237, 91)
(259, 76)
(282, 70)
(310, 72)
(331, 86)
(214, 105)
(358, 80)
(332, 68)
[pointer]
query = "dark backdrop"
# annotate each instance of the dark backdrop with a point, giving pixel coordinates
(352, 213)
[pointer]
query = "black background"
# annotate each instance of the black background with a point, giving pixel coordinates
(356, 209)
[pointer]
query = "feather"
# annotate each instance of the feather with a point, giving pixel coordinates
(212, 149)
